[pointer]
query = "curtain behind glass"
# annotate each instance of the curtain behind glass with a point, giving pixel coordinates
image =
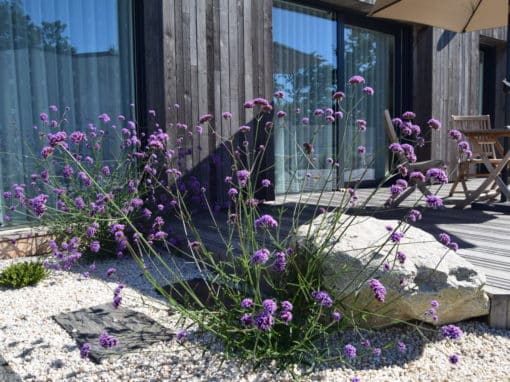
(64, 53)
(304, 62)
(370, 54)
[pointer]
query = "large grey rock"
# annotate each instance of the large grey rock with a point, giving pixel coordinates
(354, 249)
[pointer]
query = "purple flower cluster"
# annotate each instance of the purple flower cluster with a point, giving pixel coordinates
(451, 331)
(260, 256)
(401, 257)
(433, 201)
(378, 289)
(349, 351)
(38, 205)
(242, 177)
(434, 124)
(356, 80)
(323, 298)
(438, 175)
(85, 350)
(456, 135)
(280, 262)
(107, 341)
(414, 215)
(266, 221)
(396, 237)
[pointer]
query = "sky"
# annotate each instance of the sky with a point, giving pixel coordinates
(92, 25)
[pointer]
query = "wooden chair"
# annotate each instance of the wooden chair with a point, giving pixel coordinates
(491, 148)
(422, 166)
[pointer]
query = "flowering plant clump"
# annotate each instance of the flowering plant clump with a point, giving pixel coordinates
(266, 299)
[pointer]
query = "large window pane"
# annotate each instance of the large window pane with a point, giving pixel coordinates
(370, 54)
(304, 51)
(75, 53)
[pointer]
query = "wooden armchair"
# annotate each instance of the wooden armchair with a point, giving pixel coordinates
(488, 147)
(422, 166)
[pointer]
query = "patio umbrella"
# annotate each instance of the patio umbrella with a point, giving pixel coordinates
(454, 15)
(457, 16)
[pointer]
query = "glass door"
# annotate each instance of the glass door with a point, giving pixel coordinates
(305, 66)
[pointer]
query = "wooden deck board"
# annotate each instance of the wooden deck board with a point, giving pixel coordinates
(483, 236)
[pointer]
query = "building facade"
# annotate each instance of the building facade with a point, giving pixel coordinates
(209, 56)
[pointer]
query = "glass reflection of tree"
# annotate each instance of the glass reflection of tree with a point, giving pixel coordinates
(17, 31)
(308, 86)
(360, 55)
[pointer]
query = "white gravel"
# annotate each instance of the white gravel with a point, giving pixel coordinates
(38, 349)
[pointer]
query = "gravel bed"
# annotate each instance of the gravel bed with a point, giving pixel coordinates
(38, 349)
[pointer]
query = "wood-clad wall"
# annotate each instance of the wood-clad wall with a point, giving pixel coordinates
(215, 55)
(455, 74)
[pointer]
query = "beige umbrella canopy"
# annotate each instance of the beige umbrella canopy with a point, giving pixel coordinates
(454, 15)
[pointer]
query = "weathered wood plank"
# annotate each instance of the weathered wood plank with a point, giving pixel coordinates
(499, 316)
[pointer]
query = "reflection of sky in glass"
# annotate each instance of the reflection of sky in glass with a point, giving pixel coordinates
(91, 24)
(311, 30)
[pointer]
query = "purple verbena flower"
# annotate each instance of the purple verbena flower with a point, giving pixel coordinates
(242, 177)
(356, 80)
(322, 298)
(280, 261)
(401, 347)
(451, 331)
(205, 118)
(433, 201)
(264, 321)
(247, 303)
(110, 272)
(401, 257)
(260, 256)
(434, 124)
(95, 246)
(247, 319)
(286, 305)
(456, 135)
(338, 96)
(349, 351)
(107, 341)
(454, 358)
(396, 237)
(266, 221)
(85, 350)
(368, 90)
(117, 300)
(378, 289)
(269, 306)
(336, 316)
(181, 335)
(408, 115)
(444, 238)
(286, 316)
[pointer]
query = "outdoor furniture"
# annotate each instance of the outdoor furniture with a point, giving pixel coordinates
(478, 138)
(422, 166)
(486, 146)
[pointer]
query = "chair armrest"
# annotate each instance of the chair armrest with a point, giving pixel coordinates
(425, 165)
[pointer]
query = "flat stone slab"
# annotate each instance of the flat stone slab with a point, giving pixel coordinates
(6, 373)
(134, 330)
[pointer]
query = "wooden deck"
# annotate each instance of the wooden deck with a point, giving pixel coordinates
(483, 236)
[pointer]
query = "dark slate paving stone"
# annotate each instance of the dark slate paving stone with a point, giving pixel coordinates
(134, 330)
(6, 373)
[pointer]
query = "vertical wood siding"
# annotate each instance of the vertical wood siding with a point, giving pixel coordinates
(216, 55)
(454, 68)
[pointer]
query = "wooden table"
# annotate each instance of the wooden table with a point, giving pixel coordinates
(478, 137)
